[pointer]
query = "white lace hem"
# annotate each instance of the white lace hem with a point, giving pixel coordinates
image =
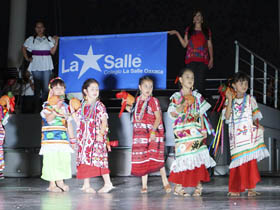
(55, 148)
(258, 155)
(192, 161)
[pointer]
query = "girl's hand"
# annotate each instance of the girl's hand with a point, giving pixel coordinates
(73, 146)
(229, 95)
(261, 127)
(174, 114)
(172, 32)
(56, 38)
(59, 104)
(182, 106)
(153, 136)
(72, 110)
(30, 59)
(204, 134)
(109, 148)
(99, 138)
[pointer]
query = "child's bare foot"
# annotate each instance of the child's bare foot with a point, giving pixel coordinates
(253, 193)
(106, 188)
(144, 190)
(64, 187)
(233, 194)
(88, 189)
(54, 189)
(167, 188)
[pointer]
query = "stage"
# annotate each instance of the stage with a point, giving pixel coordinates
(31, 194)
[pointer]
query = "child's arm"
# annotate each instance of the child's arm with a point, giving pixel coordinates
(51, 112)
(158, 120)
(128, 108)
(103, 129)
(175, 109)
(203, 130)
(228, 108)
(54, 48)
(256, 113)
(156, 124)
(71, 134)
(180, 108)
(50, 116)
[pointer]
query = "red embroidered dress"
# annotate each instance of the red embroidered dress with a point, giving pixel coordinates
(92, 158)
(246, 143)
(197, 48)
(147, 155)
(192, 155)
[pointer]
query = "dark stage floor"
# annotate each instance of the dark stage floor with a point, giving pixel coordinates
(30, 194)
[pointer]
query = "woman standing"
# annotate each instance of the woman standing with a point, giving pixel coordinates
(41, 47)
(199, 55)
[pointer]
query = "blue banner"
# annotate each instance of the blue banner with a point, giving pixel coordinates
(115, 61)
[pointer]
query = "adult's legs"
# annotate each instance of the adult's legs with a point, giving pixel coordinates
(41, 82)
(46, 75)
(199, 70)
(37, 75)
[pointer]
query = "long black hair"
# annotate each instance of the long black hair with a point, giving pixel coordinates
(204, 28)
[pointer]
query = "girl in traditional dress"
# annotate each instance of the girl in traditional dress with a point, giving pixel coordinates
(92, 129)
(246, 138)
(187, 108)
(55, 145)
(148, 136)
(4, 115)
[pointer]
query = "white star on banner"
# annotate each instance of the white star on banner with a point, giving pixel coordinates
(90, 61)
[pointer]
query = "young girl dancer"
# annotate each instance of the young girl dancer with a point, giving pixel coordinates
(187, 108)
(246, 138)
(148, 136)
(55, 145)
(92, 129)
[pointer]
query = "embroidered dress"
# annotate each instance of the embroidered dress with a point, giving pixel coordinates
(147, 154)
(92, 159)
(192, 156)
(197, 49)
(55, 146)
(246, 143)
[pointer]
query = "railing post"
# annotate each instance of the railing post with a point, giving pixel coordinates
(252, 76)
(264, 82)
(236, 56)
(276, 89)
